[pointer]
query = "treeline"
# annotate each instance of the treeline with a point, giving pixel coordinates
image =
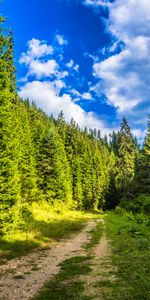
(46, 159)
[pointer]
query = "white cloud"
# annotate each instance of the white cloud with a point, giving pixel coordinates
(46, 97)
(43, 69)
(75, 92)
(87, 96)
(76, 68)
(40, 60)
(125, 77)
(130, 18)
(59, 84)
(62, 74)
(48, 74)
(60, 39)
(96, 3)
(72, 65)
(36, 49)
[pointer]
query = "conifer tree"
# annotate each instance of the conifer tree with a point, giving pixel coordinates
(126, 159)
(27, 162)
(86, 167)
(143, 176)
(53, 170)
(9, 175)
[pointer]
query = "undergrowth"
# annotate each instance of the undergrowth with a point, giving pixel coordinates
(130, 239)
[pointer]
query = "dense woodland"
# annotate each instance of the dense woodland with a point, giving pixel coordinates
(42, 158)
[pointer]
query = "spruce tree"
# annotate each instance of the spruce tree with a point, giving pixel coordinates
(27, 160)
(9, 175)
(53, 170)
(126, 159)
(143, 177)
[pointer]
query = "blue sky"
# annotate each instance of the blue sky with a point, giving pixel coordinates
(89, 58)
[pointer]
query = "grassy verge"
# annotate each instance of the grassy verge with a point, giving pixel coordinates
(48, 226)
(130, 239)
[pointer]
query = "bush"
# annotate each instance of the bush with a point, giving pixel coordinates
(140, 204)
(119, 211)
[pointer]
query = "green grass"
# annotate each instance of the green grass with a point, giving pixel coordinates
(130, 239)
(96, 235)
(65, 285)
(49, 225)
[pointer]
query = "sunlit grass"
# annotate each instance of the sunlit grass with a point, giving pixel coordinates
(130, 240)
(49, 225)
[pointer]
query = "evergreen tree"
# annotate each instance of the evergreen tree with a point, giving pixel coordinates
(126, 159)
(143, 176)
(61, 126)
(9, 175)
(114, 137)
(27, 162)
(9, 57)
(53, 170)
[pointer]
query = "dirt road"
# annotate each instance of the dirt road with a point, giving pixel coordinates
(21, 278)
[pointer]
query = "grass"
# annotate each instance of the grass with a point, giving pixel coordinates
(96, 235)
(130, 239)
(65, 285)
(49, 225)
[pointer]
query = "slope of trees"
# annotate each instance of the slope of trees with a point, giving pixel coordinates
(43, 158)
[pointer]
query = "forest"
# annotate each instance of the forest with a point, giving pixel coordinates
(43, 158)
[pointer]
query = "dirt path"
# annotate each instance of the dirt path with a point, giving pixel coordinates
(102, 269)
(21, 278)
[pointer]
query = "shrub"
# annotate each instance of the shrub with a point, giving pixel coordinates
(119, 211)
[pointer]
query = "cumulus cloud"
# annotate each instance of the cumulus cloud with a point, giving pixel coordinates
(46, 83)
(40, 69)
(36, 49)
(124, 75)
(47, 97)
(40, 60)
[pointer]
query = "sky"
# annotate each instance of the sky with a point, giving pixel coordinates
(89, 58)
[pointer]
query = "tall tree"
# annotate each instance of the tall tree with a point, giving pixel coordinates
(126, 159)
(53, 170)
(9, 175)
(143, 176)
